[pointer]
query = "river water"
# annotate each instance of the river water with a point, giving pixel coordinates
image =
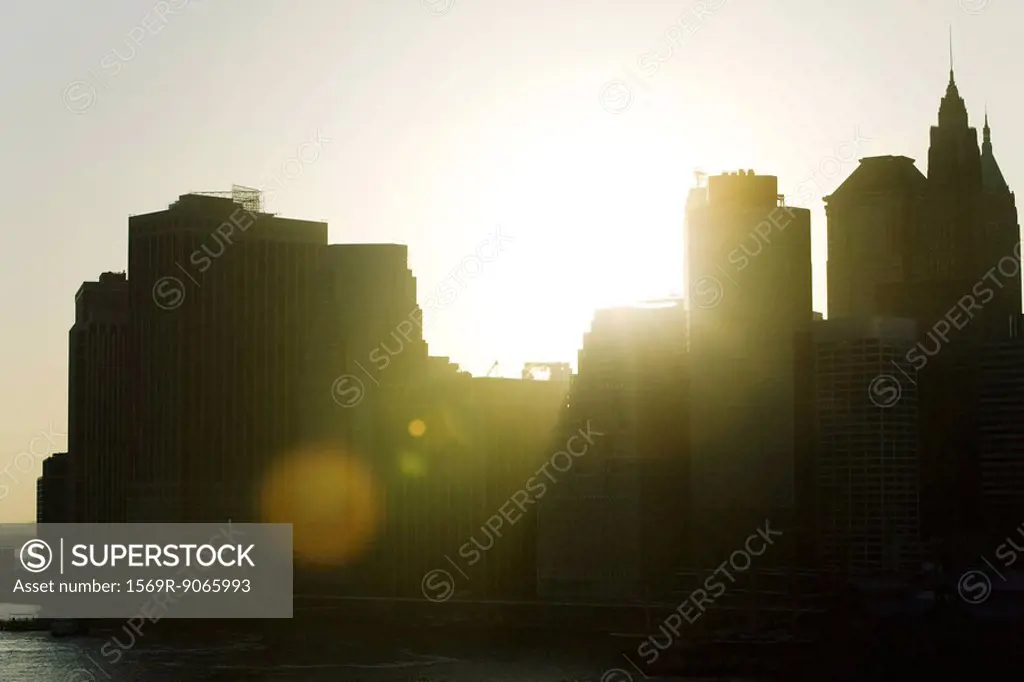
(38, 657)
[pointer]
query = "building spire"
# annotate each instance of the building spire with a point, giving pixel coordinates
(991, 176)
(986, 133)
(951, 82)
(952, 110)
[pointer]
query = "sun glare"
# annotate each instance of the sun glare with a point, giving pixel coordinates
(331, 500)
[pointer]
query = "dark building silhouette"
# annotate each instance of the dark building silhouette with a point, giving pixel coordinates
(457, 459)
(867, 459)
(53, 490)
(99, 406)
(614, 528)
(220, 297)
(972, 232)
(945, 246)
(873, 216)
(945, 252)
(365, 331)
(1000, 403)
(749, 266)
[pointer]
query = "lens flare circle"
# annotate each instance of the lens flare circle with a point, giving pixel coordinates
(332, 501)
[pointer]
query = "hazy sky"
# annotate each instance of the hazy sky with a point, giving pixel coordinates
(444, 120)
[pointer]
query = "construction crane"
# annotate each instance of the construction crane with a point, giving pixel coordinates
(493, 367)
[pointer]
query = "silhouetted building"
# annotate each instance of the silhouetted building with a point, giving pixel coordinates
(99, 406)
(929, 249)
(873, 217)
(1000, 404)
(972, 232)
(749, 264)
(53, 490)
(458, 459)
(944, 252)
(220, 296)
(867, 454)
(615, 528)
(366, 330)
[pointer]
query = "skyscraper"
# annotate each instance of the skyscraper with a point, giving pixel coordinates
(53, 491)
(1000, 462)
(872, 218)
(945, 247)
(946, 253)
(971, 233)
(867, 458)
(749, 267)
(628, 490)
(220, 294)
(99, 407)
(365, 330)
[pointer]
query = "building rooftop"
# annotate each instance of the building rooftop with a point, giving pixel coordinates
(881, 174)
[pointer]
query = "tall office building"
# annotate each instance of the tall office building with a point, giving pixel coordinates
(866, 463)
(972, 231)
(626, 490)
(1000, 462)
(749, 267)
(365, 331)
(219, 295)
(872, 218)
(945, 253)
(456, 460)
(53, 491)
(99, 407)
(945, 246)
(1000, 234)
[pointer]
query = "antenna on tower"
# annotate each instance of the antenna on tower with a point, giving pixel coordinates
(951, 53)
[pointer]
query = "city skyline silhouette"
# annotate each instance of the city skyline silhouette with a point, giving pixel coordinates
(527, 321)
(659, 150)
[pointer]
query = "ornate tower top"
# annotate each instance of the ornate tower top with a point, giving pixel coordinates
(986, 144)
(991, 176)
(952, 110)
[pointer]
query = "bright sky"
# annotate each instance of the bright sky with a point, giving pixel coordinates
(447, 119)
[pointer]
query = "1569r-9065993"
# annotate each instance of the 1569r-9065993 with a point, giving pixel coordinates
(213, 585)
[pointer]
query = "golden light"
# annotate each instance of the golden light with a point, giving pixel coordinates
(330, 498)
(413, 465)
(417, 428)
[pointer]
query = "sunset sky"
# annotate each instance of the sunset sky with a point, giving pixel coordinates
(440, 121)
